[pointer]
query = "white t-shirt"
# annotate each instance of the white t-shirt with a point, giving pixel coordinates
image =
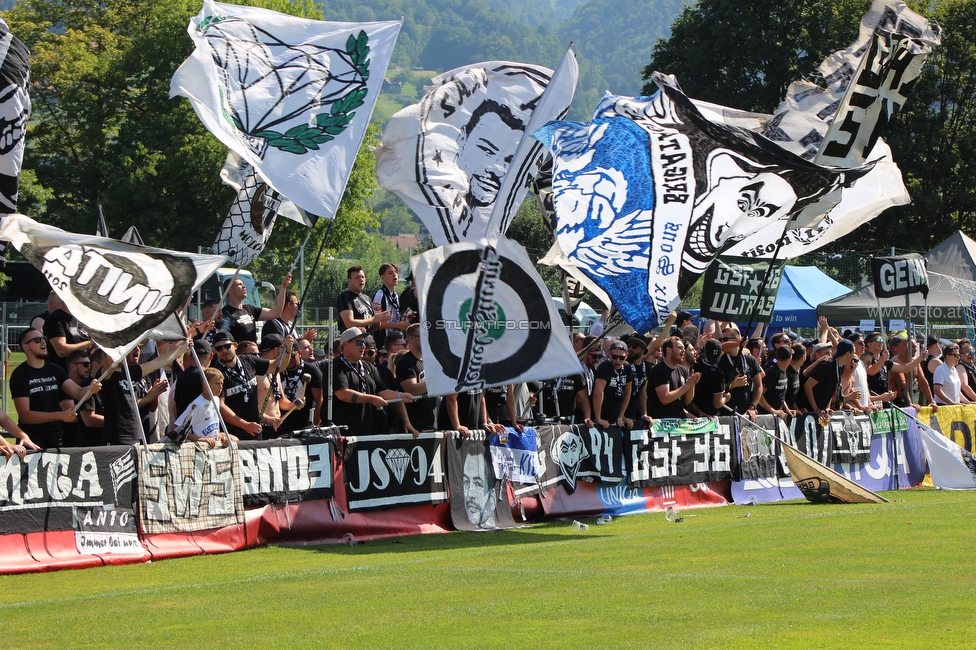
(861, 384)
(204, 422)
(949, 380)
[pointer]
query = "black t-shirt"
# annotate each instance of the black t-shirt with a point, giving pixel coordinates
(241, 390)
(743, 364)
(241, 323)
(827, 375)
(291, 386)
(408, 301)
(362, 377)
(641, 371)
(613, 391)
(878, 382)
(42, 386)
(468, 408)
(121, 413)
(674, 378)
(792, 386)
(87, 436)
(712, 383)
(776, 383)
(421, 412)
(361, 306)
(275, 326)
(61, 323)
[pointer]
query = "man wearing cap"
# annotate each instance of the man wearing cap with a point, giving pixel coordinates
(670, 387)
(637, 409)
(710, 395)
(270, 396)
(821, 391)
(360, 394)
(612, 387)
(242, 415)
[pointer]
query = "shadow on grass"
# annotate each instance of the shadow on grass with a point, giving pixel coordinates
(558, 532)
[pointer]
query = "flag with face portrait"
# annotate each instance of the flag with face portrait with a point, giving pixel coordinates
(291, 96)
(15, 110)
(650, 191)
(460, 158)
(840, 121)
(247, 228)
(119, 292)
(488, 319)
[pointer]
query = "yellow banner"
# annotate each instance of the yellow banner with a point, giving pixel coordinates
(957, 423)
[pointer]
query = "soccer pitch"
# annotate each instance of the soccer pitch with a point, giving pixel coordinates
(792, 575)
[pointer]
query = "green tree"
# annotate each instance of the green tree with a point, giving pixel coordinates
(746, 54)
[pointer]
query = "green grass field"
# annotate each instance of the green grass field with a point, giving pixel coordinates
(797, 575)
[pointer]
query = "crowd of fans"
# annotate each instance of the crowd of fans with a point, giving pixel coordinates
(223, 384)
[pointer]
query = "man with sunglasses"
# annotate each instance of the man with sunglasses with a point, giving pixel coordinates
(965, 369)
(742, 374)
(86, 431)
(243, 413)
(43, 394)
(360, 394)
(613, 384)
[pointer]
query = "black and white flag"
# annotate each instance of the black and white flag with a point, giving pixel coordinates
(15, 110)
(488, 318)
(247, 228)
(290, 95)
(899, 276)
(118, 291)
(461, 158)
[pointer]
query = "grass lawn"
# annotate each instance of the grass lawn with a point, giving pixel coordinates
(797, 575)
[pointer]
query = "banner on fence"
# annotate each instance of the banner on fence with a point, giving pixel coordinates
(284, 471)
(188, 488)
(479, 501)
(680, 452)
(88, 490)
(394, 469)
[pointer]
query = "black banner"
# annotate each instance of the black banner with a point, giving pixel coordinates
(282, 471)
(680, 452)
(731, 289)
(604, 454)
(85, 489)
(188, 488)
(850, 437)
(394, 469)
(478, 500)
(811, 438)
(899, 276)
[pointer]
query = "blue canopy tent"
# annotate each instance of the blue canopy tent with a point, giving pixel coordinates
(801, 290)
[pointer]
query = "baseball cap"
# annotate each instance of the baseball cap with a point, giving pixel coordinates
(370, 343)
(350, 334)
(712, 351)
(618, 345)
(222, 335)
(843, 347)
(202, 347)
(270, 342)
(819, 347)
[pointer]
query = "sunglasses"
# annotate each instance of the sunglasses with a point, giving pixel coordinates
(221, 348)
(619, 357)
(369, 352)
(359, 343)
(36, 339)
(81, 363)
